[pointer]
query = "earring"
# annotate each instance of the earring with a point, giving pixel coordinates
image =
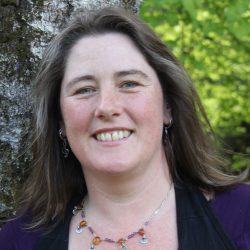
(167, 126)
(65, 150)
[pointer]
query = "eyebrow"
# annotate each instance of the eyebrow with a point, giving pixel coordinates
(131, 72)
(117, 75)
(80, 79)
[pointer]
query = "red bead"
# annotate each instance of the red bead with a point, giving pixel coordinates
(121, 241)
(83, 223)
(96, 240)
(141, 232)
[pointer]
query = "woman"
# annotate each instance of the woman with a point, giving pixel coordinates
(121, 159)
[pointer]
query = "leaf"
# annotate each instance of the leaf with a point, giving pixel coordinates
(202, 34)
(190, 6)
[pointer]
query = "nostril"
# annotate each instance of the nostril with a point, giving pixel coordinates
(106, 113)
(108, 108)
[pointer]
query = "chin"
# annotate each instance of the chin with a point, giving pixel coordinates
(117, 168)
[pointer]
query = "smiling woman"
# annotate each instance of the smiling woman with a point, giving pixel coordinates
(121, 158)
(114, 90)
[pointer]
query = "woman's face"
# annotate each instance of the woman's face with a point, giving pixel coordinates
(112, 105)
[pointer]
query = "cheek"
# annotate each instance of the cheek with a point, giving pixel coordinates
(149, 106)
(148, 110)
(75, 116)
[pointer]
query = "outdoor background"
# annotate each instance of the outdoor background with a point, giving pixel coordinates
(211, 39)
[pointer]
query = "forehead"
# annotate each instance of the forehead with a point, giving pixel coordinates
(104, 55)
(104, 40)
(109, 47)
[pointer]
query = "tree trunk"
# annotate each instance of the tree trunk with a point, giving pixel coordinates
(26, 28)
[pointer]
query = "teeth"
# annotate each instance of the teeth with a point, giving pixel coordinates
(126, 133)
(113, 136)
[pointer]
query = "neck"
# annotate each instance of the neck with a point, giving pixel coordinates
(137, 193)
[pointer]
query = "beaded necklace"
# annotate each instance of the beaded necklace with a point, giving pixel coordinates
(120, 242)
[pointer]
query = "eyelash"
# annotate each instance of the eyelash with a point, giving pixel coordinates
(89, 90)
(135, 84)
(85, 91)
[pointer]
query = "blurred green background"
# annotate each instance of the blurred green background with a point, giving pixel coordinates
(212, 40)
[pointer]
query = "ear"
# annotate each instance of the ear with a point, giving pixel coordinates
(167, 114)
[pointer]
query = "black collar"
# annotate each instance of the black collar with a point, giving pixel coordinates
(198, 228)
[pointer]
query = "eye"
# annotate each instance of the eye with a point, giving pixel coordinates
(88, 90)
(129, 84)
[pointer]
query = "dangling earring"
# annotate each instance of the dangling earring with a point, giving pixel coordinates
(65, 150)
(166, 127)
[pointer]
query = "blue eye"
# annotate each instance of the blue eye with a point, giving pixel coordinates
(85, 91)
(129, 84)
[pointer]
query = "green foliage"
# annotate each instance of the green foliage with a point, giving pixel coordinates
(212, 39)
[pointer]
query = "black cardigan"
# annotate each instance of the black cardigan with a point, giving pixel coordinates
(198, 228)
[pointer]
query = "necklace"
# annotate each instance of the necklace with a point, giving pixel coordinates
(120, 242)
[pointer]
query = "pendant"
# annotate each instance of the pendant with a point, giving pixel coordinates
(124, 247)
(79, 230)
(144, 240)
(92, 247)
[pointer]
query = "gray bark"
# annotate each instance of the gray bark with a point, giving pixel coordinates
(26, 27)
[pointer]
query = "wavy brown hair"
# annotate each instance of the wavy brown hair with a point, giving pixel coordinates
(191, 156)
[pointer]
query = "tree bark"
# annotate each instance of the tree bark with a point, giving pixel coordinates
(26, 28)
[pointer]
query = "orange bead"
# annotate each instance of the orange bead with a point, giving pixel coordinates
(83, 223)
(96, 240)
(141, 232)
(121, 241)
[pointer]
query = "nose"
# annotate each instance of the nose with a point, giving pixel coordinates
(108, 105)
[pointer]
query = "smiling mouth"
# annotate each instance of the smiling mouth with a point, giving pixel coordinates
(113, 136)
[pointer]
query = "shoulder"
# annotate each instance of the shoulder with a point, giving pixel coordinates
(236, 199)
(232, 208)
(14, 236)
